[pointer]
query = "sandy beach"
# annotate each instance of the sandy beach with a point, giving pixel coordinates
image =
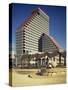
(52, 76)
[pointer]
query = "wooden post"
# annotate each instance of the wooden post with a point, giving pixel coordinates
(64, 61)
(29, 57)
(59, 58)
(16, 61)
(54, 58)
(21, 63)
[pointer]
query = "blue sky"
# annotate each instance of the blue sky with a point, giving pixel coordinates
(57, 23)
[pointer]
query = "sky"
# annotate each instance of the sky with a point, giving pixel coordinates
(57, 20)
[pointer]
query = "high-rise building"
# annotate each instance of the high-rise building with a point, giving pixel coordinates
(28, 35)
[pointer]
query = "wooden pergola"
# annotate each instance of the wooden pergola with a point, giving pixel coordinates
(27, 57)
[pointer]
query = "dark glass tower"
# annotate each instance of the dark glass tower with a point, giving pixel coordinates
(46, 44)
